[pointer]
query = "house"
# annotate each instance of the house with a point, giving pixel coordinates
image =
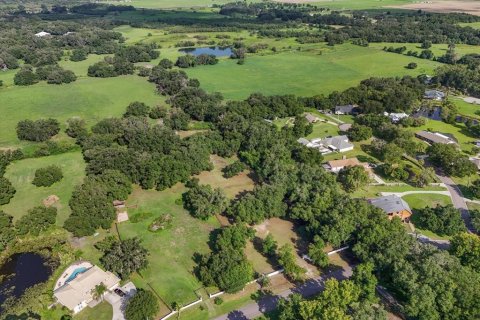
(436, 137)
(347, 109)
(336, 165)
(329, 144)
(394, 206)
(434, 95)
(78, 290)
(311, 118)
(42, 34)
(396, 117)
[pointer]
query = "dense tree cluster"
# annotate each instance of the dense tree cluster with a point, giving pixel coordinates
(38, 130)
(227, 266)
(91, 202)
(7, 231)
(452, 163)
(353, 178)
(7, 191)
(125, 257)
(233, 169)
(466, 247)
(143, 305)
(443, 220)
(189, 60)
(288, 261)
(36, 220)
(202, 201)
(45, 177)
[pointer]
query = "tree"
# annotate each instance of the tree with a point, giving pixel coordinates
(287, 260)
(447, 157)
(39, 130)
(412, 65)
(443, 220)
(137, 109)
(233, 169)
(76, 128)
(475, 188)
(359, 132)
(37, 219)
(353, 177)
(165, 63)
(158, 112)
(7, 231)
(6, 191)
(99, 291)
(466, 247)
(364, 278)
(45, 177)
(79, 55)
(316, 252)
(301, 127)
(269, 246)
(25, 77)
(142, 306)
(125, 257)
(202, 201)
(475, 216)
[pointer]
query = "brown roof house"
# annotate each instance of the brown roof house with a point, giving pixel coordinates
(336, 165)
(311, 118)
(394, 206)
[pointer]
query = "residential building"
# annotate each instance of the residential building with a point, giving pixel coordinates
(394, 206)
(311, 118)
(436, 137)
(79, 288)
(347, 109)
(329, 144)
(396, 117)
(434, 95)
(336, 165)
(42, 34)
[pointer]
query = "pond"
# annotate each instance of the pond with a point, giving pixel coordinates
(216, 51)
(20, 272)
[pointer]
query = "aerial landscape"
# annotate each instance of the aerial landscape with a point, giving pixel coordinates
(231, 160)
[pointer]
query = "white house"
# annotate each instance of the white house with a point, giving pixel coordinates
(42, 34)
(79, 288)
(329, 144)
(434, 95)
(396, 117)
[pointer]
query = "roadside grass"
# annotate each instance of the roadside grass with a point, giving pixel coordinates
(372, 191)
(304, 73)
(92, 99)
(323, 129)
(465, 108)
(102, 311)
(422, 200)
(473, 206)
(22, 172)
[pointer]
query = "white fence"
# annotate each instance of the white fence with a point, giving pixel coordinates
(182, 308)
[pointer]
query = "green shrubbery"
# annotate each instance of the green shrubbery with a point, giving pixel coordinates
(45, 177)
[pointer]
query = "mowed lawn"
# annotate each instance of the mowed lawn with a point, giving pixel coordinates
(171, 264)
(21, 174)
(305, 73)
(166, 4)
(89, 98)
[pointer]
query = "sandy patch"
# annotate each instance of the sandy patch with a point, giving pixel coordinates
(470, 7)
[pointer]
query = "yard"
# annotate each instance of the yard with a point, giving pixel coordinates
(21, 174)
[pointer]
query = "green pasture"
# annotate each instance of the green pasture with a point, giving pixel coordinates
(21, 174)
(422, 200)
(170, 270)
(465, 108)
(103, 311)
(304, 73)
(170, 4)
(89, 98)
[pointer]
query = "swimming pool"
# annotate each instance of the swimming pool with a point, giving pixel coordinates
(75, 273)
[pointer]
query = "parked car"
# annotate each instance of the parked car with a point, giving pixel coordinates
(119, 292)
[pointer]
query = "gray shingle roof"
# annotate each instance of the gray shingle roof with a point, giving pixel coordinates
(390, 204)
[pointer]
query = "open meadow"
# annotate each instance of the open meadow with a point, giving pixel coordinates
(21, 174)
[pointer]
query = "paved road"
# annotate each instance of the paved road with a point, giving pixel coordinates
(269, 303)
(457, 200)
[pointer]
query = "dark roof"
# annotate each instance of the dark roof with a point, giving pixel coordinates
(391, 204)
(346, 109)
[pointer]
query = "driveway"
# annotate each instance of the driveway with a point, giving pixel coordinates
(118, 303)
(269, 303)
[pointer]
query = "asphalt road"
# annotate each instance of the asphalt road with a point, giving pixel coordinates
(269, 303)
(457, 200)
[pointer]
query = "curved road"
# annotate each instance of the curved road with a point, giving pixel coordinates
(269, 303)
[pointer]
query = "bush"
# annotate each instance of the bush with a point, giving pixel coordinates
(76, 128)
(233, 169)
(39, 130)
(158, 112)
(79, 55)
(37, 220)
(45, 177)
(144, 305)
(6, 191)
(25, 77)
(137, 109)
(412, 65)
(218, 301)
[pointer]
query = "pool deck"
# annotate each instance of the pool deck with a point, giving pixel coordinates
(61, 281)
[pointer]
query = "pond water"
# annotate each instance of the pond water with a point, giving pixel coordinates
(20, 272)
(216, 51)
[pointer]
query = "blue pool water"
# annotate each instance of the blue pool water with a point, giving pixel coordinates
(216, 51)
(75, 273)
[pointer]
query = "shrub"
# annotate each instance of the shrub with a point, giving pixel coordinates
(45, 177)
(158, 112)
(411, 65)
(163, 222)
(37, 220)
(6, 191)
(141, 216)
(137, 109)
(39, 130)
(25, 77)
(233, 169)
(218, 301)
(144, 305)
(79, 55)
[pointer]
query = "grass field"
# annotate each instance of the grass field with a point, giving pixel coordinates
(21, 174)
(418, 201)
(103, 311)
(304, 73)
(169, 4)
(376, 190)
(465, 108)
(89, 98)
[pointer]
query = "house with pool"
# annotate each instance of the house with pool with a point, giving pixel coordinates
(76, 286)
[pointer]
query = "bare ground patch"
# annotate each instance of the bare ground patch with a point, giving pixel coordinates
(470, 7)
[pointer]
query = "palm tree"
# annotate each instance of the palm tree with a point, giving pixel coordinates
(99, 291)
